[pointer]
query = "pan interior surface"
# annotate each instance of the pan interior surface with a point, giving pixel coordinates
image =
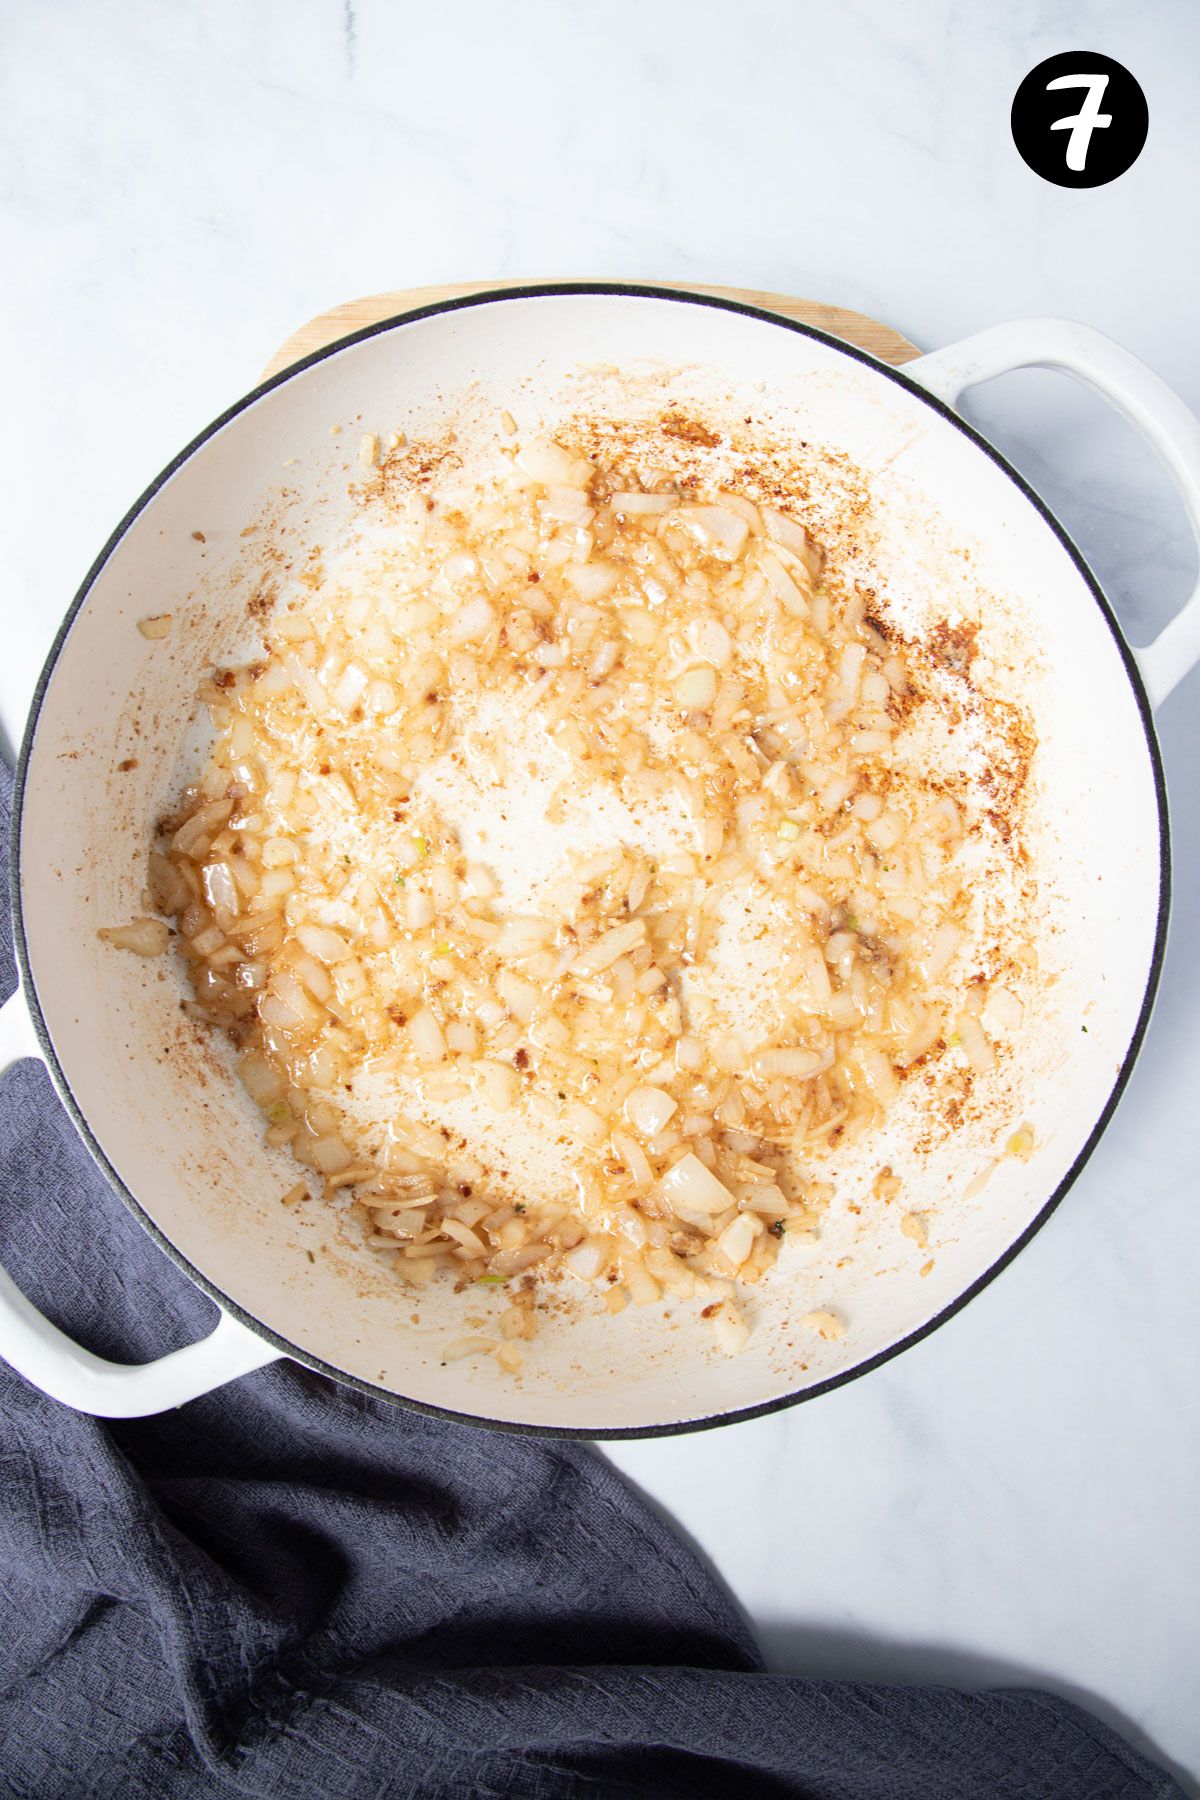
(945, 538)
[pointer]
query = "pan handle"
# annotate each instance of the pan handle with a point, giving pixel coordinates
(60, 1367)
(1137, 393)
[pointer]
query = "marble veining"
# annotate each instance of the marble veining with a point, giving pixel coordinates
(1015, 1499)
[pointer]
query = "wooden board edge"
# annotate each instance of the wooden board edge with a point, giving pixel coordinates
(877, 339)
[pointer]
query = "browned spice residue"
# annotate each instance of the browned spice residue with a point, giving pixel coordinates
(952, 647)
(262, 601)
(690, 431)
(412, 465)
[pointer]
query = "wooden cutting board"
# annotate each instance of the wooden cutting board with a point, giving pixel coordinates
(856, 328)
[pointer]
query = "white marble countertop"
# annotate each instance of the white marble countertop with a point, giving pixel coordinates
(1018, 1498)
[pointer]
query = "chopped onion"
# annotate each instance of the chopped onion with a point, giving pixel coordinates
(591, 580)
(499, 1083)
(976, 1049)
(1021, 1143)
(286, 1004)
(745, 509)
(481, 882)
(327, 946)
(767, 1199)
(710, 641)
(261, 1079)
(634, 1158)
(545, 462)
(810, 972)
(381, 697)
(737, 1239)
(836, 792)
(463, 1235)
(314, 977)
(643, 1289)
(690, 1185)
(519, 996)
(145, 937)
(418, 909)
(349, 688)
(886, 830)
(782, 585)
(871, 743)
(194, 830)
(720, 530)
(220, 889)
(461, 1347)
(426, 1033)
(636, 505)
(605, 951)
(515, 1262)
(697, 687)
(1002, 1010)
(588, 1260)
(473, 620)
(307, 682)
(330, 1155)
(564, 505)
(399, 1221)
(521, 934)
(792, 536)
(585, 1123)
(648, 1109)
(943, 945)
(799, 1063)
(827, 1325)
(730, 1328)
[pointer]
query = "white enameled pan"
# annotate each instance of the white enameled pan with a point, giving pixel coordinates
(174, 1133)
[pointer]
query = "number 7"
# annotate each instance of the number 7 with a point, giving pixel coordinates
(1089, 118)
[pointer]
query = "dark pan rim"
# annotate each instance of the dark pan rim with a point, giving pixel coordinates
(676, 1427)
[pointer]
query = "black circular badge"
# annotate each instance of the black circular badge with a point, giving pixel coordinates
(1080, 119)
